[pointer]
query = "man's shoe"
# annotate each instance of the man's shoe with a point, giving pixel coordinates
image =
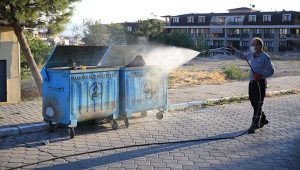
(254, 128)
(263, 123)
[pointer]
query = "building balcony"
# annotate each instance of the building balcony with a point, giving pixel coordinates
(216, 35)
(217, 23)
(202, 35)
(284, 35)
(295, 35)
(215, 46)
(244, 48)
(234, 23)
(268, 35)
(257, 35)
(234, 35)
(245, 35)
(289, 35)
(270, 48)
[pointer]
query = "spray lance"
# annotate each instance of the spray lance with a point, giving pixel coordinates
(233, 51)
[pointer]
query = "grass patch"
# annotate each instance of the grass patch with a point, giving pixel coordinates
(236, 99)
(232, 72)
(180, 78)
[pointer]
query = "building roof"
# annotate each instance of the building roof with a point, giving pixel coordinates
(242, 9)
(276, 18)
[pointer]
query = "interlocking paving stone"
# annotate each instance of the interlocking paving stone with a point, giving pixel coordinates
(276, 146)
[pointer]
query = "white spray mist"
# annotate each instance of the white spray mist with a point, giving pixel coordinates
(168, 58)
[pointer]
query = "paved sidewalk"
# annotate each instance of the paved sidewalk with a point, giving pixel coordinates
(276, 146)
(24, 114)
(205, 92)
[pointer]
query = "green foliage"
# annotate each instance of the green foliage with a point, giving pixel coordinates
(95, 33)
(40, 51)
(49, 15)
(237, 99)
(179, 39)
(25, 73)
(233, 72)
(151, 29)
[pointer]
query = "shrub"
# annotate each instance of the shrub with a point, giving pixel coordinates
(233, 72)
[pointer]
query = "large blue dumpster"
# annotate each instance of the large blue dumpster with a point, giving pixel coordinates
(141, 89)
(76, 88)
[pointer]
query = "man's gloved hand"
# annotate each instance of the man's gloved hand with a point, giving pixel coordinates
(257, 76)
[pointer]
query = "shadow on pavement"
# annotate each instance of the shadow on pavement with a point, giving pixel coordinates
(144, 151)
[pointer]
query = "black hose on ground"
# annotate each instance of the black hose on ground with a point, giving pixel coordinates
(132, 146)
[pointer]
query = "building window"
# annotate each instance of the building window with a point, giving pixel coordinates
(269, 45)
(284, 31)
(190, 19)
(175, 19)
(245, 45)
(201, 19)
(237, 19)
(267, 18)
(222, 19)
(252, 18)
(286, 17)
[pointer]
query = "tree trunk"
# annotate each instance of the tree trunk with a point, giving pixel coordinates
(28, 57)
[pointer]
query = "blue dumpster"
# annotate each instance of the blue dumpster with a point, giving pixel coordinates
(76, 88)
(141, 89)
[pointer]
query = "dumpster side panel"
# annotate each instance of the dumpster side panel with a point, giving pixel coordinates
(56, 97)
(94, 95)
(141, 89)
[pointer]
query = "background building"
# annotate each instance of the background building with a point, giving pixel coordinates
(280, 30)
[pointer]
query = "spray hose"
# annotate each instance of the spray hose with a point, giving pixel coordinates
(133, 146)
(158, 143)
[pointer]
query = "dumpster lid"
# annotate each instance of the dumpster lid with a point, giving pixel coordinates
(65, 56)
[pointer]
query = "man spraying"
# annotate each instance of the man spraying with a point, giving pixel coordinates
(262, 68)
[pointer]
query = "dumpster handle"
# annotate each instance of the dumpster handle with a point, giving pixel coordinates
(45, 74)
(56, 88)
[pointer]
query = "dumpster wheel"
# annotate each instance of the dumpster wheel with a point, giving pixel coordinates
(114, 124)
(71, 131)
(160, 115)
(50, 126)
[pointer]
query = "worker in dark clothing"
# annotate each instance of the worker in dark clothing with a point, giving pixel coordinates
(262, 69)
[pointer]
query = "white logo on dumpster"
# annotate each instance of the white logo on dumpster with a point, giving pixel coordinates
(96, 90)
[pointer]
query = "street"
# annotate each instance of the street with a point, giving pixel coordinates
(277, 145)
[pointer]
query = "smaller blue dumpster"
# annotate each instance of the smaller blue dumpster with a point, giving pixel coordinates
(141, 89)
(76, 89)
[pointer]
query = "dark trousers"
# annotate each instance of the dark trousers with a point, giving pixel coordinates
(257, 93)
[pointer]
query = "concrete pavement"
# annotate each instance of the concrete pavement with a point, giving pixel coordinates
(276, 146)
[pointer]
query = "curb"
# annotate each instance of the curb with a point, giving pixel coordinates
(202, 103)
(22, 129)
(36, 127)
